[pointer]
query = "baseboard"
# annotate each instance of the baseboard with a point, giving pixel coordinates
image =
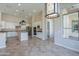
(67, 47)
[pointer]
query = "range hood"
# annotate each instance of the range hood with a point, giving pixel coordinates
(22, 22)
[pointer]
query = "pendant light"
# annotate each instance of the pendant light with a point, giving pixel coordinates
(51, 10)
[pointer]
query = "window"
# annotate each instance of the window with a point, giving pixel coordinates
(70, 26)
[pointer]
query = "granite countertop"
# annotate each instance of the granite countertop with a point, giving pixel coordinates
(39, 31)
(13, 31)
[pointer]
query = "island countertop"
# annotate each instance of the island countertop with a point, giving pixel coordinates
(13, 31)
(23, 35)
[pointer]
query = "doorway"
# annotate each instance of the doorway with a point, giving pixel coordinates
(48, 29)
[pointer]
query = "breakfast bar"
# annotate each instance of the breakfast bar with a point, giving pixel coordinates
(21, 35)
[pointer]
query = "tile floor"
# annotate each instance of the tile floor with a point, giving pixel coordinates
(35, 47)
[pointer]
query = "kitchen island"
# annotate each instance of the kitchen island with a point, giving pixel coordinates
(21, 35)
(2, 39)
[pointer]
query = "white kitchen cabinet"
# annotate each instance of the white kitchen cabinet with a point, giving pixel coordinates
(23, 36)
(2, 39)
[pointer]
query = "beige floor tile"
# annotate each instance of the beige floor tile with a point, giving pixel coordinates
(34, 47)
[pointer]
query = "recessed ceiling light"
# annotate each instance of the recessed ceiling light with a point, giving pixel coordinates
(29, 14)
(17, 10)
(34, 11)
(19, 4)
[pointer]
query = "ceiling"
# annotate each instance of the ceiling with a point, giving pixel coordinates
(27, 9)
(67, 8)
(68, 5)
(21, 9)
